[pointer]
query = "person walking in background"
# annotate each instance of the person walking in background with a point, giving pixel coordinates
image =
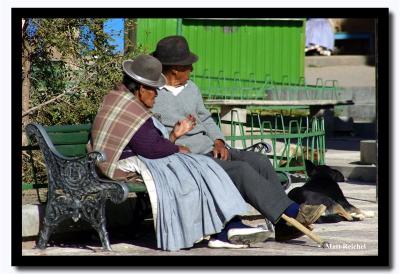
(320, 38)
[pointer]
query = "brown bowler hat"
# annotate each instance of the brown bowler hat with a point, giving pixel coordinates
(174, 50)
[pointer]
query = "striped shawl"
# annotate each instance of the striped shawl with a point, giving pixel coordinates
(117, 120)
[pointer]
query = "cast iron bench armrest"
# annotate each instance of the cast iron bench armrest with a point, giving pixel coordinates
(75, 174)
(261, 147)
(74, 188)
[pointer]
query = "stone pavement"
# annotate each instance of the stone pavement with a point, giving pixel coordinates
(346, 238)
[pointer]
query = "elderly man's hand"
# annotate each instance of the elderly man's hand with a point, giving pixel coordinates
(220, 151)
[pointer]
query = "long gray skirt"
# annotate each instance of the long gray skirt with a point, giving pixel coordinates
(195, 199)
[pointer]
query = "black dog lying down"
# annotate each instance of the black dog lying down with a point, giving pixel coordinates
(322, 188)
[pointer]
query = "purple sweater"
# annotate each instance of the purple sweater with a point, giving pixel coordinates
(149, 143)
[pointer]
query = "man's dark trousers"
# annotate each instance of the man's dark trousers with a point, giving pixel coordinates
(257, 181)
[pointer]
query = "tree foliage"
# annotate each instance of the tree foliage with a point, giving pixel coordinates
(68, 66)
(73, 57)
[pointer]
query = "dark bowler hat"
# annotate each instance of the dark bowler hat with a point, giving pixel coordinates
(146, 70)
(174, 50)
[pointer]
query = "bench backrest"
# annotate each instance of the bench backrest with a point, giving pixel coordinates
(69, 140)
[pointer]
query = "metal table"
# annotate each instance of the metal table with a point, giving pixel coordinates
(314, 105)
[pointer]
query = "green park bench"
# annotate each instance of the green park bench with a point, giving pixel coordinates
(75, 190)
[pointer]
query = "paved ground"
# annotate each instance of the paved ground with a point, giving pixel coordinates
(348, 75)
(346, 238)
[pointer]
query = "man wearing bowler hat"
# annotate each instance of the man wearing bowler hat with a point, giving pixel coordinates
(251, 172)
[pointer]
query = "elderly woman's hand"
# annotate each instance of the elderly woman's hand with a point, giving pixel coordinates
(182, 127)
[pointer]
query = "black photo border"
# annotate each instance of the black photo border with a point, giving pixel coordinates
(383, 91)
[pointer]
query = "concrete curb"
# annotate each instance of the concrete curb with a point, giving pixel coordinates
(338, 60)
(368, 149)
(365, 173)
(117, 215)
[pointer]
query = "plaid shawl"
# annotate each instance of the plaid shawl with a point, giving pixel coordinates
(117, 120)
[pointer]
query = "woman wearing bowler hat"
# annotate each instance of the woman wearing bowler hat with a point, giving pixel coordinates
(191, 196)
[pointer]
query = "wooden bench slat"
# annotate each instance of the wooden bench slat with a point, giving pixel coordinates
(135, 187)
(68, 128)
(27, 186)
(72, 150)
(62, 138)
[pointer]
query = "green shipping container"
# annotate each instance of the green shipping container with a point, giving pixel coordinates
(236, 52)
